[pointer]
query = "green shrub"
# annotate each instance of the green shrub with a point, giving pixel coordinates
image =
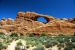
(43, 39)
(1, 46)
(61, 41)
(19, 45)
(27, 46)
(73, 38)
(73, 45)
(61, 35)
(14, 35)
(31, 34)
(39, 48)
(1, 33)
(43, 34)
(50, 43)
(60, 45)
(68, 48)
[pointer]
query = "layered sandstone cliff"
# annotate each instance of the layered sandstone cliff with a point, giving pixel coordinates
(26, 22)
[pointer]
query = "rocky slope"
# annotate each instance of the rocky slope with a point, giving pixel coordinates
(26, 22)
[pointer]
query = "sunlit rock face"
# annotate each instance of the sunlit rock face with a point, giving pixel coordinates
(10, 21)
(3, 22)
(7, 26)
(26, 22)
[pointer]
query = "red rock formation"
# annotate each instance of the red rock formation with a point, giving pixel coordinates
(9, 21)
(26, 23)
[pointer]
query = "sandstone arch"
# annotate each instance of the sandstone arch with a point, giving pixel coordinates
(26, 22)
(34, 16)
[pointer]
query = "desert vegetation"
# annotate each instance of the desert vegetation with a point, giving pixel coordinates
(35, 42)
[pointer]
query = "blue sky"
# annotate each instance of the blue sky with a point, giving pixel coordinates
(56, 8)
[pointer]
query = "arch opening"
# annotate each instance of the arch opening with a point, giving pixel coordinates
(42, 19)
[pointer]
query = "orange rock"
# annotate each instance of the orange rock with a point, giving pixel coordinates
(53, 27)
(10, 21)
(26, 22)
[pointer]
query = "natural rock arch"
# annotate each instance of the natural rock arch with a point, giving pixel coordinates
(26, 22)
(41, 19)
(34, 16)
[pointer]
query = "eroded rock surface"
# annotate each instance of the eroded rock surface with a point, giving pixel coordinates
(26, 22)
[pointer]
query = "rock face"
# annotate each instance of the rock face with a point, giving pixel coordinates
(26, 22)
(72, 20)
(7, 26)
